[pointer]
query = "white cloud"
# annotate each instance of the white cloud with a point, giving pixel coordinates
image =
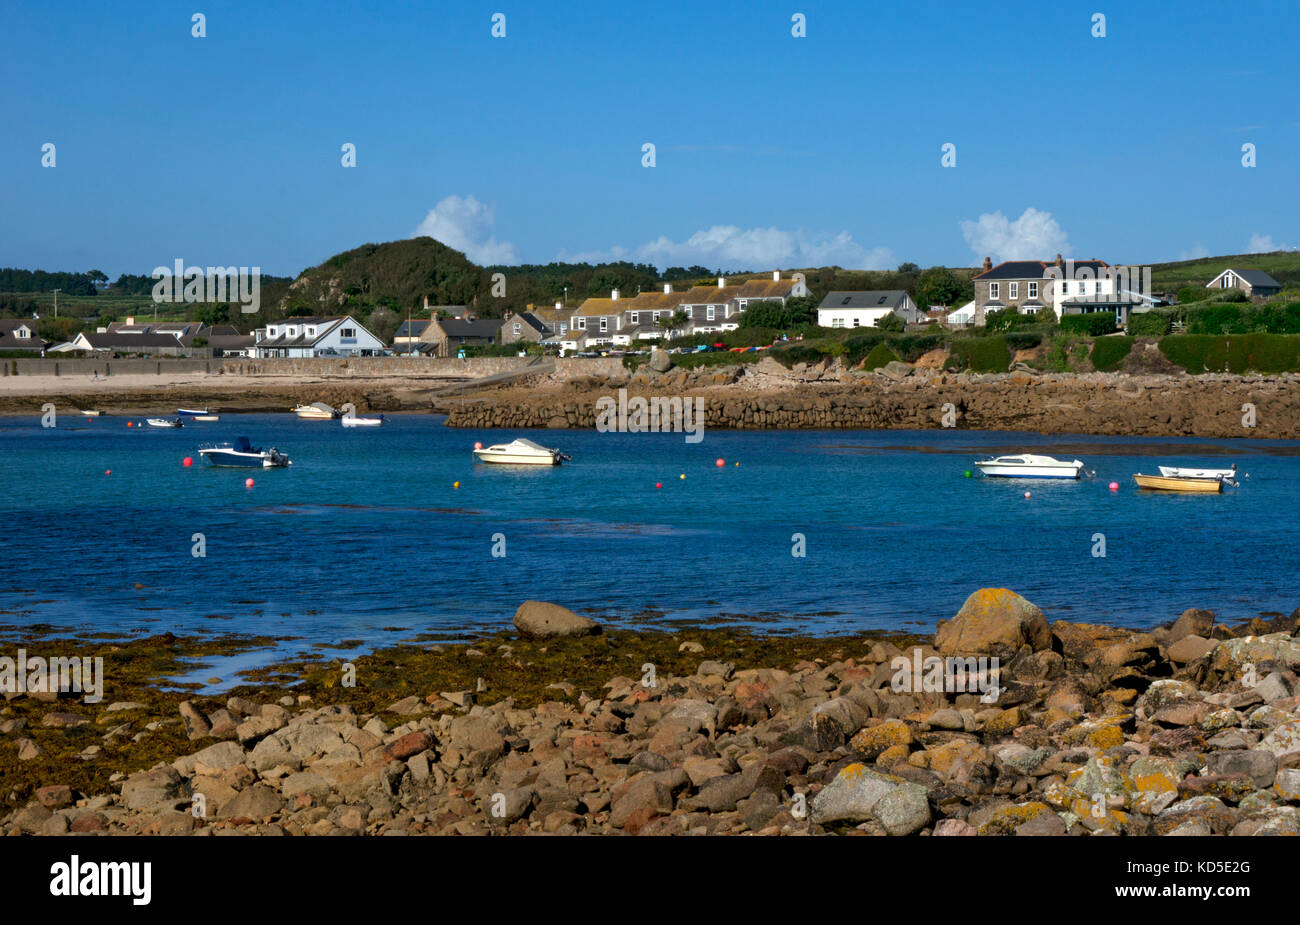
(731, 248)
(466, 224)
(1263, 244)
(1197, 251)
(1033, 236)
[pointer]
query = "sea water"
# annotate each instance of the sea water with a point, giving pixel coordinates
(366, 537)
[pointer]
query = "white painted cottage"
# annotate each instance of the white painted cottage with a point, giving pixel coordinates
(316, 337)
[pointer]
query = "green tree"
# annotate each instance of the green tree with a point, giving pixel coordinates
(940, 286)
(891, 322)
(671, 323)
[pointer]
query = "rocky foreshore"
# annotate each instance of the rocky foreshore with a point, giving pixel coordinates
(1189, 729)
(824, 395)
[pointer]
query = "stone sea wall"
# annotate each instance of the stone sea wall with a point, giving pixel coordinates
(1208, 406)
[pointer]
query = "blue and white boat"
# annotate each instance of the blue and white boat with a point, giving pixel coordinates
(244, 455)
(1028, 466)
(191, 412)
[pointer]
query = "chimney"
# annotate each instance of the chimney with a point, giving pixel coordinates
(558, 306)
(426, 303)
(721, 282)
(1059, 261)
(130, 320)
(668, 288)
(614, 295)
(776, 276)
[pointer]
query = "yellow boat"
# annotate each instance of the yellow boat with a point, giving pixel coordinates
(1178, 483)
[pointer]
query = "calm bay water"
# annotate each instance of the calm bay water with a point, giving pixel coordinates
(366, 534)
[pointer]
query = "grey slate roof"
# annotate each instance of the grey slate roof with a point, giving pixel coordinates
(8, 340)
(412, 328)
(528, 318)
(323, 327)
(873, 298)
(132, 342)
(1256, 278)
(457, 327)
(1037, 269)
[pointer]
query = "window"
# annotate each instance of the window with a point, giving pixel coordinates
(604, 324)
(857, 322)
(1014, 290)
(21, 333)
(1033, 290)
(994, 290)
(631, 317)
(516, 327)
(837, 323)
(1083, 287)
(582, 323)
(564, 327)
(708, 313)
(346, 332)
(1227, 281)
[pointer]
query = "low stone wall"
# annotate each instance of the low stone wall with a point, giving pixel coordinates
(66, 366)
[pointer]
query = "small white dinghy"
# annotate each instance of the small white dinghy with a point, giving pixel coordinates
(1181, 472)
(163, 422)
(352, 420)
(520, 452)
(1028, 466)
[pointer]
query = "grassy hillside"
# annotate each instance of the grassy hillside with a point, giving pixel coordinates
(1283, 266)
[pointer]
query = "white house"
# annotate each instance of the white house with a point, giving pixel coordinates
(1254, 282)
(865, 309)
(963, 317)
(314, 337)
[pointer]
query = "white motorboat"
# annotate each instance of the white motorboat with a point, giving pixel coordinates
(191, 412)
(1181, 472)
(243, 455)
(91, 414)
(352, 420)
(520, 452)
(1027, 466)
(205, 417)
(163, 422)
(316, 411)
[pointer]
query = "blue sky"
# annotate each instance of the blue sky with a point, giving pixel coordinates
(770, 150)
